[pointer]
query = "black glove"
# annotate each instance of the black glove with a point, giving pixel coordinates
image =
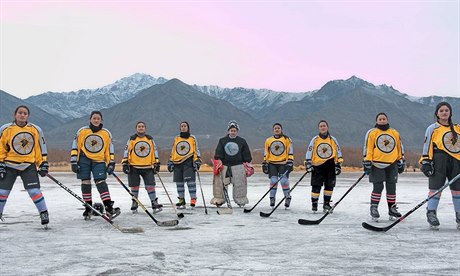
(43, 169)
(110, 167)
(308, 166)
(126, 168)
(265, 167)
(2, 170)
(170, 166)
(289, 166)
(197, 165)
(338, 168)
(367, 166)
(427, 167)
(401, 165)
(75, 166)
(156, 167)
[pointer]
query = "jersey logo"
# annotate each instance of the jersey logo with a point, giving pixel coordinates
(183, 148)
(142, 149)
(447, 142)
(231, 148)
(23, 143)
(94, 143)
(277, 148)
(324, 151)
(386, 143)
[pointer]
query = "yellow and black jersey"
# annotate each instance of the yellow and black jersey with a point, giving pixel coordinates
(439, 137)
(322, 149)
(97, 146)
(382, 147)
(184, 148)
(278, 150)
(140, 152)
(22, 146)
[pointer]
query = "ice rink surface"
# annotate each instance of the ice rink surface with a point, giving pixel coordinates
(236, 244)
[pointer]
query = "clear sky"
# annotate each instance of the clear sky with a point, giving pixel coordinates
(292, 46)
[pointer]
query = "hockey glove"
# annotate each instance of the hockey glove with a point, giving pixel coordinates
(170, 166)
(308, 166)
(367, 166)
(110, 167)
(401, 166)
(265, 167)
(249, 168)
(289, 166)
(427, 167)
(156, 167)
(43, 169)
(2, 170)
(75, 167)
(197, 165)
(126, 168)
(338, 168)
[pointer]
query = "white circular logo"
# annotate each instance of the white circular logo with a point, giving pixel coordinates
(277, 148)
(94, 143)
(324, 150)
(23, 143)
(142, 149)
(183, 148)
(447, 142)
(385, 143)
(231, 148)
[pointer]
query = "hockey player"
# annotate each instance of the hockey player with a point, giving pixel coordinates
(232, 156)
(140, 158)
(22, 150)
(92, 153)
(278, 162)
(324, 162)
(184, 161)
(383, 159)
(441, 160)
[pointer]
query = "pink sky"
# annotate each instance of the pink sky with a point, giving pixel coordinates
(281, 45)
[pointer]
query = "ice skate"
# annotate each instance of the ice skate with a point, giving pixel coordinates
(327, 208)
(134, 206)
(393, 213)
(193, 203)
(181, 203)
(44, 218)
(110, 211)
(272, 202)
(1, 217)
(374, 210)
(157, 207)
(88, 211)
(287, 202)
(99, 207)
(432, 219)
(314, 207)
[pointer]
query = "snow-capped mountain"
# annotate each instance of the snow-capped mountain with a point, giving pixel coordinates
(75, 104)
(257, 102)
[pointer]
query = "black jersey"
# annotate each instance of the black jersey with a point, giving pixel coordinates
(233, 151)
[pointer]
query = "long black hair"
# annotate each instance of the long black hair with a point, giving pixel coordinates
(451, 125)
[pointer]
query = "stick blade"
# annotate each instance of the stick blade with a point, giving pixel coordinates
(248, 210)
(265, 215)
(168, 223)
(374, 228)
(132, 230)
(225, 211)
(309, 222)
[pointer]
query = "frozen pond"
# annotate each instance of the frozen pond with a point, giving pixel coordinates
(237, 244)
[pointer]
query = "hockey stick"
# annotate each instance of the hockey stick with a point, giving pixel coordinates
(318, 221)
(179, 215)
(229, 209)
(266, 215)
(104, 216)
(159, 223)
(202, 194)
(386, 228)
(271, 188)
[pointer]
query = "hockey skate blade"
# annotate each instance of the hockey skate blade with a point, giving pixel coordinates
(168, 223)
(434, 227)
(132, 230)
(225, 211)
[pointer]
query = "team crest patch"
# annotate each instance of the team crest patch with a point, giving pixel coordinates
(447, 142)
(94, 143)
(23, 143)
(324, 151)
(386, 143)
(277, 148)
(183, 148)
(142, 149)
(231, 148)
